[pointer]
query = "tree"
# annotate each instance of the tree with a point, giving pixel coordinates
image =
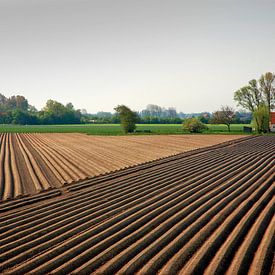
(127, 118)
(261, 119)
(56, 113)
(14, 102)
(249, 97)
(194, 125)
(204, 118)
(257, 94)
(267, 87)
(23, 117)
(18, 102)
(225, 116)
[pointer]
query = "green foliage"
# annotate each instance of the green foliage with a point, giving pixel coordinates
(267, 87)
(17, 102)
(56, 113)
(23, 117)
(16, 110)
(249, 97)
(128, 118)
(261, 119)
(256, 95)
(205, 119)
(194, 125)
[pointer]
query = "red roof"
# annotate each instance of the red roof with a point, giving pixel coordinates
(272, 117)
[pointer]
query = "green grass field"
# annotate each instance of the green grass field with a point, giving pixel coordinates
(115, 129)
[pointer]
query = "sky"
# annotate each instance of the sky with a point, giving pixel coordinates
(97, 54)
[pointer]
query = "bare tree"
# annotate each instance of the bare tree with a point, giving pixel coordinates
(224, 116)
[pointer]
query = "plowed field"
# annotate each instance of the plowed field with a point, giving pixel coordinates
(31, 163)
(208, 211)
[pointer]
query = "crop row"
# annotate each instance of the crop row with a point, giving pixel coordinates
(206, 212)
(34, 163)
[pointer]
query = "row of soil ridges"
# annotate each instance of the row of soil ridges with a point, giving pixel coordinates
(34, 163)
(210, 212)
(13, 204)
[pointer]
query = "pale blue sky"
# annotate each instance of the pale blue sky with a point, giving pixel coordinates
(96, 54)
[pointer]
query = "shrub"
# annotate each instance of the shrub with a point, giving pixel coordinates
(194, 125)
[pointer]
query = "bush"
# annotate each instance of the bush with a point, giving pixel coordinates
(194, 125)
(127, 118)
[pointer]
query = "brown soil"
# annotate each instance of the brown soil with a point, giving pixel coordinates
(210, 211)
(32, 163)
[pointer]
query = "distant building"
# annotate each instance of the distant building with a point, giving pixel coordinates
(272, 121)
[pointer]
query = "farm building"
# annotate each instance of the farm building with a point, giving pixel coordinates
(272, 121)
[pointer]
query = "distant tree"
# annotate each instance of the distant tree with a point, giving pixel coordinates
(3, 102)
(171, 112)
(32, 109)
(224, 116)
(204, 118)
(154, 110)
(127, 117)
(84, 112)
(194, 125)
(243, 117)
(18, 102)
(14, 102)
(23, 117)
(70, 106)
(56, 113)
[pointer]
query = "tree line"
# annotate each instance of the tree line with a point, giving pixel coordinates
(257, 98)
(17, 110)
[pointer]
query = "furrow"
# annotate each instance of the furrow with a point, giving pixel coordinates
(183, 236)
(121, 186)
(9, 184)
(218, 228)
(18, 188)
(31, 171)
(262, 261)
(123, 224)
(111, 203)
(231, 239)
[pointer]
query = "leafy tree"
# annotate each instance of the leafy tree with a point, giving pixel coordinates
(18, 102)
(56, 113)
(261, 119)
(13, 102)
(225, 116)
(194, 125)
(249, 97)
(23, 117)
(267, 87)
(127, 117)
(258, 93)
(3, 102)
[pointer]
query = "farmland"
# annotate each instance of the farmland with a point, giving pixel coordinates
(115, 129)
(209, 211)
(31, 163)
